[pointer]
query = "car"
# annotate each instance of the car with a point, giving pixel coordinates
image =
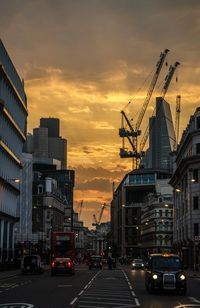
(62, 266)
(95, 261)
(165, 272)
(31, 264)
(137, 264)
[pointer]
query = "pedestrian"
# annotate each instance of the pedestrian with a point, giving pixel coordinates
(109, 261)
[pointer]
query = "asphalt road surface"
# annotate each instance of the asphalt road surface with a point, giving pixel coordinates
(121, 287)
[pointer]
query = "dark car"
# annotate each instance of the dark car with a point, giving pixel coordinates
(95, 261)
(31, 264)
(164, 272)
(62, 266)
(137, 264)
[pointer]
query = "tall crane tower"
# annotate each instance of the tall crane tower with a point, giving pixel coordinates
(168, 79)
(79, 208)
(133, 132)
(98, 221)
(177, 120)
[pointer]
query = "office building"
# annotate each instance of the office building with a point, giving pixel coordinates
(129, 199)
(46, 142)
(53, 126)
(13, 119)
(185, 181)
(161, 138)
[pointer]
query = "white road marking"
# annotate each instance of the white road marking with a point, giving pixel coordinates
(194, 299)
(86, 287)
(74, 300)
(186, 305)
(133, 293)
(137, 302)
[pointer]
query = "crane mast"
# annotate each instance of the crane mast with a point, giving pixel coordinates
(177, 120)
(97, 222)
(151, 88)
(132, 133)
(163, 93)
(79, 207)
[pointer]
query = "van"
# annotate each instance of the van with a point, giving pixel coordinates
(31, 264)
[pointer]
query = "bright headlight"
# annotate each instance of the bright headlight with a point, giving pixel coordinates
(155, 276)
(133, 264)
(182, 277)
(142, 264)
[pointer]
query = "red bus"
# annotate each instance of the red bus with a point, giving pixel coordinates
(62, 253)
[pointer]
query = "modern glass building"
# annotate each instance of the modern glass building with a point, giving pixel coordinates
(13, 116)
(161, 137)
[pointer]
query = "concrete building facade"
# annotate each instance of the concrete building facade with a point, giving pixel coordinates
(186, 185)
(157, 222)
(127, 205)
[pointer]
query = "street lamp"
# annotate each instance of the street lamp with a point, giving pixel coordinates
(122, 229)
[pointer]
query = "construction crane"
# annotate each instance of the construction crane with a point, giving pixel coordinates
(79, 208)
(98, 221)
(163, 93)
(177, 120)
(133, 133)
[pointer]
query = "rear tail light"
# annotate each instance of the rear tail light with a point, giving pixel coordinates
(69, 264)
(52, 264)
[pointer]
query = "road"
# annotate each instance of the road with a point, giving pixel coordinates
(121, 287)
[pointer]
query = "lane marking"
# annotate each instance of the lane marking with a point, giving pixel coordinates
(74, 300)
(87, 286)
(194, 299)
(137, 302)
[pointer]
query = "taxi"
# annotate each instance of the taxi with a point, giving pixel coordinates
(164, 272)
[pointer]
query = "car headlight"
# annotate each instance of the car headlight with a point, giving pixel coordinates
(182, 277)
(142, 264)
(155, 276)
(133, 264)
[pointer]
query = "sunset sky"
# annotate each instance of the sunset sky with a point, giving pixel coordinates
(83, 60)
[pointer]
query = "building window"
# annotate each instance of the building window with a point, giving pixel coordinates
(195, 175)
(198, 148)
(196, 229)
(40, 189)
(198, 122)
(195, 202)
(160, 213)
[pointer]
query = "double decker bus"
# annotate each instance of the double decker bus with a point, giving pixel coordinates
(62, 253)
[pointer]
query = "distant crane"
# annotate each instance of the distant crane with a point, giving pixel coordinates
(79, 208)
(133, 133)
(163, 93)
(177, 120)
(98, 221)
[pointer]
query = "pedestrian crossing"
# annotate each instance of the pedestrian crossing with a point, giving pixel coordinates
(110, 288)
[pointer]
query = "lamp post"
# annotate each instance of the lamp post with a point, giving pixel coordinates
(122, 229)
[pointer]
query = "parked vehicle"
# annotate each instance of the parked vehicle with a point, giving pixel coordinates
(164, 272)
(95, 261)
(62, 253)
(138, 264)
(31, 264)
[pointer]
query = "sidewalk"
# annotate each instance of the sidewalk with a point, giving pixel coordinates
(192, 274)
(8, 274)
